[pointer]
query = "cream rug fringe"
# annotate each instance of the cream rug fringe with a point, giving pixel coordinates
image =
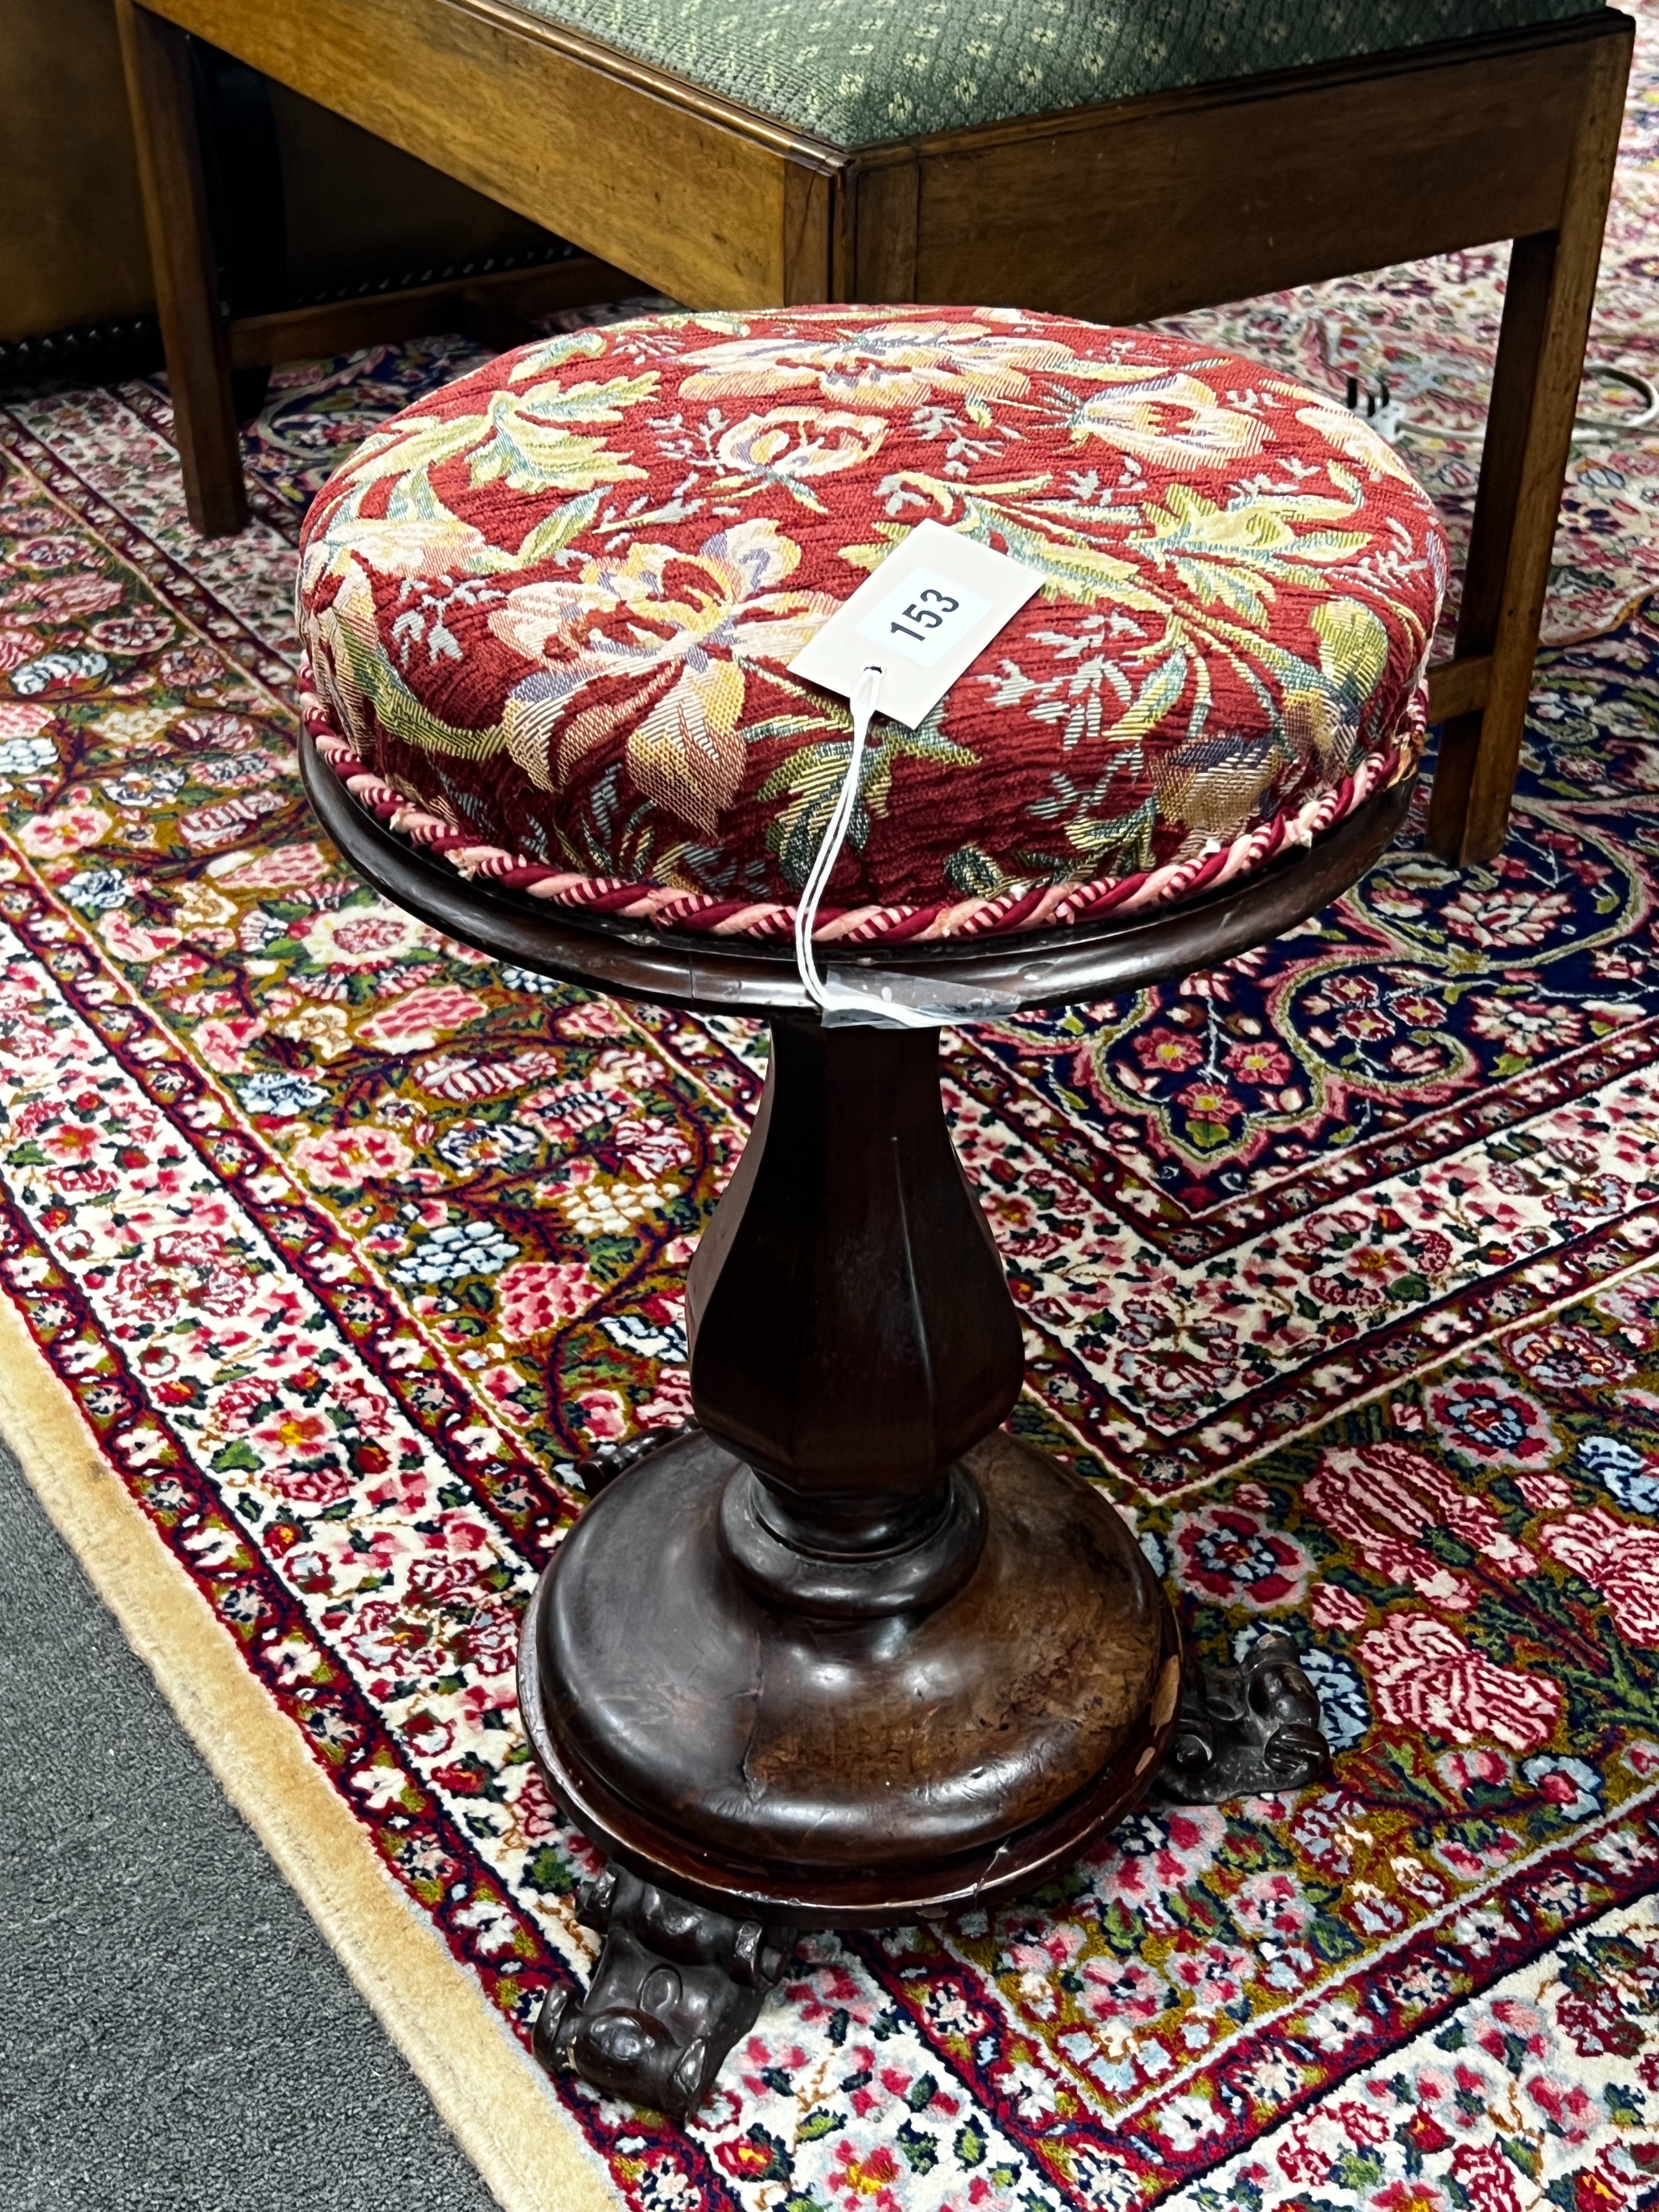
(480, 2078)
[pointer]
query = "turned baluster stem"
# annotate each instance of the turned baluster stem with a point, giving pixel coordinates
(857, 1336)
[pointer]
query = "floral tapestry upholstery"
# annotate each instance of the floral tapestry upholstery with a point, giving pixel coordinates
(856, 72)
(549, 614)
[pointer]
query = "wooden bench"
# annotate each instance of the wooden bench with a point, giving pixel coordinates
(1120, 211)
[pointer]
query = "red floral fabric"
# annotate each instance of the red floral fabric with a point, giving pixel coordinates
(553, 607)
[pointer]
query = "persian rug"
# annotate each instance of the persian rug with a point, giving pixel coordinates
(328, 1246)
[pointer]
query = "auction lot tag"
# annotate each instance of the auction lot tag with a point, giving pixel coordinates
(927, 613)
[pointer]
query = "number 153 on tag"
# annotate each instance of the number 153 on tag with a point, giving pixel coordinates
(924, 617)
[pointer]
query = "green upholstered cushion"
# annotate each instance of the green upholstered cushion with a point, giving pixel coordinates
(858, 71)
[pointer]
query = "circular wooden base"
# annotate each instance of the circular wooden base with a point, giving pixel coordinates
(830, 1770)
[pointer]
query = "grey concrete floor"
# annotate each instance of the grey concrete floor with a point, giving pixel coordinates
(175, 2033)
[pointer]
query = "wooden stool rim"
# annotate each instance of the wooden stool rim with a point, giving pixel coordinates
(1013, 973)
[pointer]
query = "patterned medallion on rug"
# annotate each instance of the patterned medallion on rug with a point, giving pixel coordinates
(1340, 1269)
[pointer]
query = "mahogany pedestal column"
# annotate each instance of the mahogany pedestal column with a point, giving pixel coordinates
(845, 1652)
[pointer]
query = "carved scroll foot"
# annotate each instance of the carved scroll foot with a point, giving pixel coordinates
(1246, 1731)
(675, 1986)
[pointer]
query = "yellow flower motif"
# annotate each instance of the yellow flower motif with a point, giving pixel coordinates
(1353, 645)
(790, 443)
(323, 1027)
(199, 910)
(1167, 418)
(654, 643)
(433, 545)
(1251, 527)
(891, 365)
(1316, 727)
(1352, 437)
(610, 1209)
(520, 439)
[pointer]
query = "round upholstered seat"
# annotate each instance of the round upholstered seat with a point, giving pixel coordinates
(549, 614)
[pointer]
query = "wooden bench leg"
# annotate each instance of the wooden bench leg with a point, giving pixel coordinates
(156, 56)
(1540, 358)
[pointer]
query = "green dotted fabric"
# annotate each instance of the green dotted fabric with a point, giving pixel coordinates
(856, 72)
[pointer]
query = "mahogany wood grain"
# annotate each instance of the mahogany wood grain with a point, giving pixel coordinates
(847, 1651)
(887, 202)
(72, 244)
(1509, 424)
(1547, 312)
(811, 204)
(155, 56)
(693, 194)
(1458, 685)
(821, 1300)
(1152, 206)
(839, 1773)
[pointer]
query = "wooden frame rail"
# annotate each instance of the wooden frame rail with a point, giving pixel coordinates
(501, 306)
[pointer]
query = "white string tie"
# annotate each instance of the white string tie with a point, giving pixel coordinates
(835, 997)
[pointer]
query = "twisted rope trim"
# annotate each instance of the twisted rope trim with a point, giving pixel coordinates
(1048, 905)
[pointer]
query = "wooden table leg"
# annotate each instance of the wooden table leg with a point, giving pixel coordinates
(1540, 358)
(156, 56)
